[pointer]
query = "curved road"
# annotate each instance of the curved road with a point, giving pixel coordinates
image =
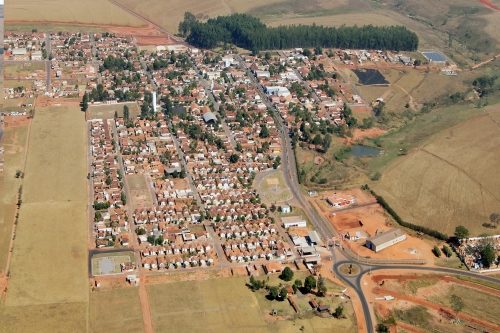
(326, 230)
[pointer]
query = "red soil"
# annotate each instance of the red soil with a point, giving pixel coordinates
(489, 4)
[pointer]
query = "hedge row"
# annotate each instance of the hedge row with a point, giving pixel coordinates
(400, 221)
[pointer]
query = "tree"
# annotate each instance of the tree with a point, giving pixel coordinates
(382, 328)
(339, 311)
(277, 162)
(457, 303)
(255, 284)
(264, 132)
(123, 198)
(126, 113)
(234, 158)
(495, 218)
(85, 102)
(461, 232)
(488, 254)
(321, 287)
(297, 284)
(447, 251)
(250, 33)
(283, 293)
(273, 292)
(436, 251)
(309, 283)
(287, 274)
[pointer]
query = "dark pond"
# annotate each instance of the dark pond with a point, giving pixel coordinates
(370, 76)
(364, 151)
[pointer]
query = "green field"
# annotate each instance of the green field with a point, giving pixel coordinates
(115, 311)
(476, 303)
(227, 305)
(48, 274)
(107, 111)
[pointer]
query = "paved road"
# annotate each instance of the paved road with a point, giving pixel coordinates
(325, 229)
(48, 62)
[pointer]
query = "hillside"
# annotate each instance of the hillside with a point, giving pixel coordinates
(450, 179)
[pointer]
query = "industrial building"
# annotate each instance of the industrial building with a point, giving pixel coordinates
(385, 239)
(293, 221)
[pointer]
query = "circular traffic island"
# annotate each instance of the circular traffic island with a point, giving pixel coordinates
(349, 269)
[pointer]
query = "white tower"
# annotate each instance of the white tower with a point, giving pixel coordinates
(154, 101)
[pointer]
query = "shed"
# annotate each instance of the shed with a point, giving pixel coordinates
(384, 240)
(209, 117)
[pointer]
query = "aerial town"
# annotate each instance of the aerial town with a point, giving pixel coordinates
(247, 187)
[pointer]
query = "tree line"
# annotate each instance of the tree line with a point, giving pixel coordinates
(250, 33)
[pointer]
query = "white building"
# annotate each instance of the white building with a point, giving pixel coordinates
(293, 221)
(385, 239)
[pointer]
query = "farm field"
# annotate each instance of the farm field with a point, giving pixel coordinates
(207, 306)
(155, 9)
(449, 179)
(14, 141)
(69, 11)
(115, 311)
(52, 229)
(376, 18)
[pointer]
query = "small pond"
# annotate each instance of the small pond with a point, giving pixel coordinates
(364, 151)
(370, 76)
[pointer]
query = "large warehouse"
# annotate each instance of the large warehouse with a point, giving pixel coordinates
(385, 239)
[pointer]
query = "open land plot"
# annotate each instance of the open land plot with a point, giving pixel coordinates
(44, 318)
(208, 306)
(434, 292)
(272, 187)
(115, 311)
(70, 11)
(107, 111)
(373, 218)
(23, 70)
(109, 263)
(450, 179)
(139, 190)
(477, 303)
(52, 230)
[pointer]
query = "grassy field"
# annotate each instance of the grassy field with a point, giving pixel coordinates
(52, 230)
(14, 71)
(272, 187)
(140, 194)
(476, 303)
(115, 311)
(448, 180)
(208, 306)
(107, 111)
(69, 11)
